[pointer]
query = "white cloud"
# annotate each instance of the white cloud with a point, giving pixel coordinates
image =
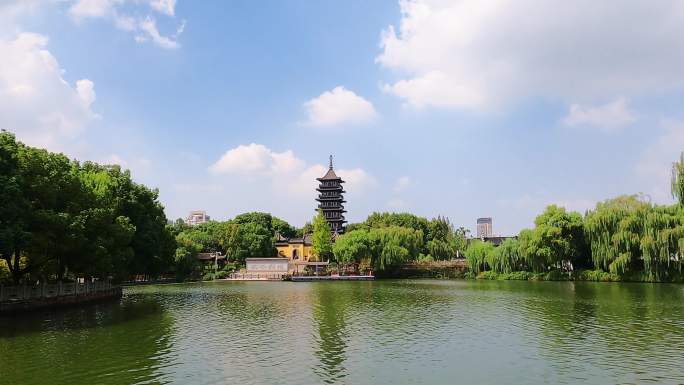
(149, 26)
(280, 182)
(164, 6)
(482, 54)
(125, 23)
(357, 179)
(86, 91)
(145, 29)
(36, 102)
(338, 106)
(402, 184)
(91, 8)
(608, 117)
(256, 159)
(654, 167)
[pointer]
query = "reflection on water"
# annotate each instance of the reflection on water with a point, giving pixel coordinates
(399, 332)
(109, 343)
(329, 322)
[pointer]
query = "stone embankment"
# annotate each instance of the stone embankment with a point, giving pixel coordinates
(15, 299)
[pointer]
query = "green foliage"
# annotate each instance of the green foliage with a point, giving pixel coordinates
(394, 245)
(283, 228)
(352, 247)
(477, 254)
(63, 218)
(678, 180)
(597, 275)
(629, 235)
(383, 248)
(378, 220)
(321, 239)
(422, 258)
(506, 258)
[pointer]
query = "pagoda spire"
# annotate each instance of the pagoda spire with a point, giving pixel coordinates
(331, 166)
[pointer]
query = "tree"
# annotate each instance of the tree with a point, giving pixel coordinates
(306, 229)
(186, 262)
(561, 238)
(628, 236)
(14, 234)
(377, 220)
(477, 254)
(321, 238)
(394, 245)
(352, 247)
(64, 219)
(678, 179)
(505, 258)
(283, 228)
(442, 243)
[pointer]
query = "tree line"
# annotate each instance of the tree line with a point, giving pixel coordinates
(624, 238)
(247, 235)
(61, 219)
(385, 241)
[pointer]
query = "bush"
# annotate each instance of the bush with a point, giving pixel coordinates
(596, 275)
(422, 258)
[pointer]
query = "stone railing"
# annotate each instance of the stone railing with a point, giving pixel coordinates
(266, 276)
(53, 290)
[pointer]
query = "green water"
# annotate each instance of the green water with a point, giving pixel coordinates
(383, 332)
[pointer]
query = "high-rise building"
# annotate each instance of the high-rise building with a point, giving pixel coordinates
(484, 227)
(197, 217)
(331, 200)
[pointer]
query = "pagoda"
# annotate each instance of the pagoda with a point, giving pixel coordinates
(330, 199)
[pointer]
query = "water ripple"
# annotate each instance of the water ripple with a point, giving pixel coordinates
(399, 332)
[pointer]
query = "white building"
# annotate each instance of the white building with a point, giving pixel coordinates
(197, 217)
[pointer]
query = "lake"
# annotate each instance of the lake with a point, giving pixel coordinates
(381, 332)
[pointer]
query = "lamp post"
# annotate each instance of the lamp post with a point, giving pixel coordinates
(216, 255)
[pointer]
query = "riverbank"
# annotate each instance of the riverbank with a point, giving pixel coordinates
(578, 275)
(458, 269)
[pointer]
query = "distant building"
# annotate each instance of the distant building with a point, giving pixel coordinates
(331, 199)
(197, 217)
(484, 227)
(294, 249)
(298, 252)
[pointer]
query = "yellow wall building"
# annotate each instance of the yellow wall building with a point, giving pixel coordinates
(295, 249)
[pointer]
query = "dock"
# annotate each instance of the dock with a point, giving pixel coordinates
(315, 278)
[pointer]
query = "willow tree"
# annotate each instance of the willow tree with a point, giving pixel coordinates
(614, 230)
(505, 258)
(662, 241)
(477, 254)
(394, 245)
(678, 180)
(628, 236)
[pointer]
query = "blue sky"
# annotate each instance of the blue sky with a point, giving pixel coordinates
(459, 108)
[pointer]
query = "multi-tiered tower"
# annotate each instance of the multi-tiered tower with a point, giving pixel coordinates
(330, 199)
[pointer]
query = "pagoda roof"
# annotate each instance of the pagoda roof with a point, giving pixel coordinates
(330, 175)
